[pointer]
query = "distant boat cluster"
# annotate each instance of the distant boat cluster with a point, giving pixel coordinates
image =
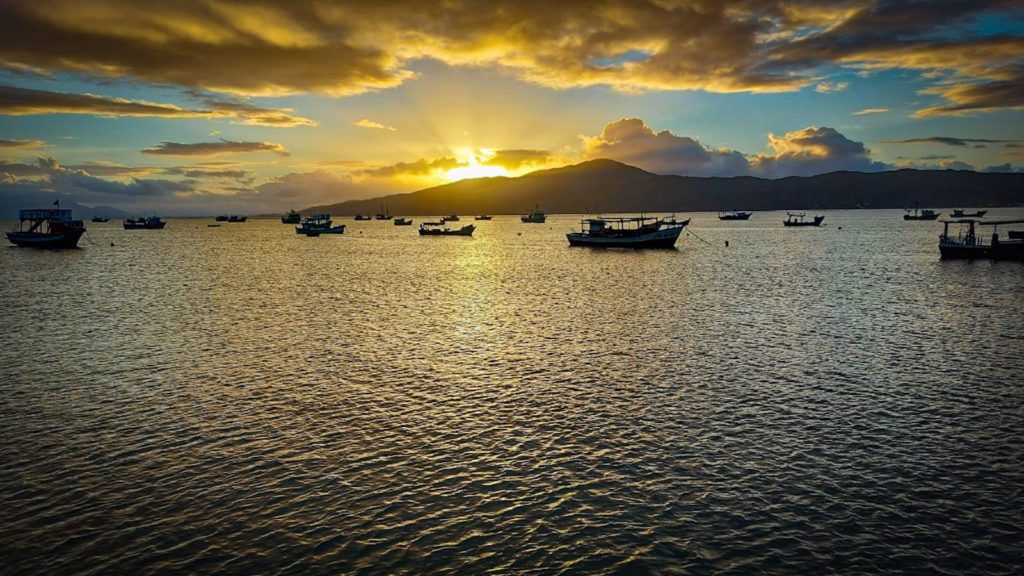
(56, 228)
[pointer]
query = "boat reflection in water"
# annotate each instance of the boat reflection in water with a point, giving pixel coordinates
(966, 244)
(635, 232)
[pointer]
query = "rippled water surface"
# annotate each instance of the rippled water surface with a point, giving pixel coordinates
(245, 400)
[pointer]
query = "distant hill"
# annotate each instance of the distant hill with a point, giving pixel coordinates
(10, 205)
(614, 187)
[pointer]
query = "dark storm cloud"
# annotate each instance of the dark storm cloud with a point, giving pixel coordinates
(948, 140)
(214, 148)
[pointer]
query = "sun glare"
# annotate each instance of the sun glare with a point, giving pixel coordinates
(474, 169)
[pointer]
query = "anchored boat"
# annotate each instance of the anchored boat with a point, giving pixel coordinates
(403, 221)
(797, 219)
(734, 215)
(383, 214)
(917, 214)
(484, 217)
(292, 217)
(966, 244)
(535, 217)
(100, 219)
(450, 218)
(237, 218)
(363, 217)
(140, 223)
(47, 228)
(439, 229)
(318, 224)
(636, 232)
(959, 213)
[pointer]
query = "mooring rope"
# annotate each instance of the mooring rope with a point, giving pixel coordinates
(694, 234)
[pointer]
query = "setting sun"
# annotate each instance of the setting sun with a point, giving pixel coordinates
(475, 171)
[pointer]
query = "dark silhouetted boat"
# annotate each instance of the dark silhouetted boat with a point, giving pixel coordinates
(734, 215)
(1016, 234)
(237, 218)
(363, 217)
(917, 214)
(535, 217)
(450, 218)
(403, 221)
(100, 219)
(959, 213)
(797, 219)
(439, 229)
(635, 232)
(148, 223)
(484, 217)
(47, 228)
(383, 214)
(966, 244)
(292, 217)
(318, 224)
(222, 218)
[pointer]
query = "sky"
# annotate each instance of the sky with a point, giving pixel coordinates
(198, 107)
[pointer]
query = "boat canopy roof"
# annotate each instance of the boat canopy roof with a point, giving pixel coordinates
(54, 214)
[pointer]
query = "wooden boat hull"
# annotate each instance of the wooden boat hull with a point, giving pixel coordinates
(66, 239)
(291, 219)
(1013, 250)
(664, 238)
(743, 216)
(464, 231)
(533, 219)
(927, 217)
(340, 229)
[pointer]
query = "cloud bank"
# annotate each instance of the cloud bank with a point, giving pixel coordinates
(214, 148)
(729, 46)
(804, 152)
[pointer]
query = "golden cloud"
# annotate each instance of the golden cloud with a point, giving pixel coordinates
(21, 144)
(367, 123)
(15, 101)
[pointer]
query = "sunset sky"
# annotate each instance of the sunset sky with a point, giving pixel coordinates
(204, 106)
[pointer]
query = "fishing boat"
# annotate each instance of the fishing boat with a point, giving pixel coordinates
(483, 217)
(383, 214)
(47, 228)
(363, 217)
(439, 229)
(403, 221)
(100, 219)
(959, 213)
(1015, 234)
(917, 214)
(734, 215)
(967, 244)
(535, 217)
(635, 232)
(237, 218)
(450, 218)
(292, 217)
(222, 218)
(797, 219)
(148, 223)
(318, 224)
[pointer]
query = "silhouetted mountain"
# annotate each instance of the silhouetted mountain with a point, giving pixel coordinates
(11, 204)
(610, 186)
